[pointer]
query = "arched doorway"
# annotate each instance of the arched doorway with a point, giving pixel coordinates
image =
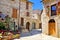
(33, 25)
(40, 25)
(51, 28)
(27, 25)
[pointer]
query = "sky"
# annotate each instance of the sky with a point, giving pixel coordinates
(37, 4)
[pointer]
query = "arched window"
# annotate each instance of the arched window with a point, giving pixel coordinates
(27, 25)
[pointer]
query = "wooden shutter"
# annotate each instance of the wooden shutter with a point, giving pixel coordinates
(14, 13)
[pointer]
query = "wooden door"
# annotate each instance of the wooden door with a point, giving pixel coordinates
(52, 30)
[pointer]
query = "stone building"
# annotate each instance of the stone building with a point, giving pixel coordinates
(25, 14)
(36, 19)
(18, 10)
(28, 16)
(51, 18)
(21, 13)
(11, 8)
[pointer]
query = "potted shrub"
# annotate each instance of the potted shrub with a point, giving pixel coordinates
(2, 26)
(7, 20)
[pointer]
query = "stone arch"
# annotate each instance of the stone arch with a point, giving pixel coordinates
(51, 20)
(52, 27)
(33, 25)
(28, 25)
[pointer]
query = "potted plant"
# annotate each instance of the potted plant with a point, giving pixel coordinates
(7, 20)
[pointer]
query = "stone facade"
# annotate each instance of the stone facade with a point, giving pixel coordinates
(31, 19)
(46, 16)
(36, 17)
(21, 12)
(7, 6)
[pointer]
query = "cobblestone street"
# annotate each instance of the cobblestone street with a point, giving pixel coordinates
(29, 19)
(35, 35)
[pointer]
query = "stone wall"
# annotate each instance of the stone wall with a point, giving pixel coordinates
(45, 19)
(6, 7)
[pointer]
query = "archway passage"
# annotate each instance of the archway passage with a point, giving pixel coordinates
(27, 25)
(52, 28)
(33, 25)
(40, 25)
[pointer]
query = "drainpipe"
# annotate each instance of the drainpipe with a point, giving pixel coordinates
(14, 26)
(19, 17)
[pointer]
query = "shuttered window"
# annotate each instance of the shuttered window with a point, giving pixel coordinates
(14, 13)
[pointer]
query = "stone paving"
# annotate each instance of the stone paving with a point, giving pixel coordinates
(36, 35)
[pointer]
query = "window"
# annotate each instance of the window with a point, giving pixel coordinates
(27, 13)
(27, 5)
(22, 21)
(53, 10)
(14, 13)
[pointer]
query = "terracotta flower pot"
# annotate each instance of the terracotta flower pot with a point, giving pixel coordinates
(0, 38)
(10, 36)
